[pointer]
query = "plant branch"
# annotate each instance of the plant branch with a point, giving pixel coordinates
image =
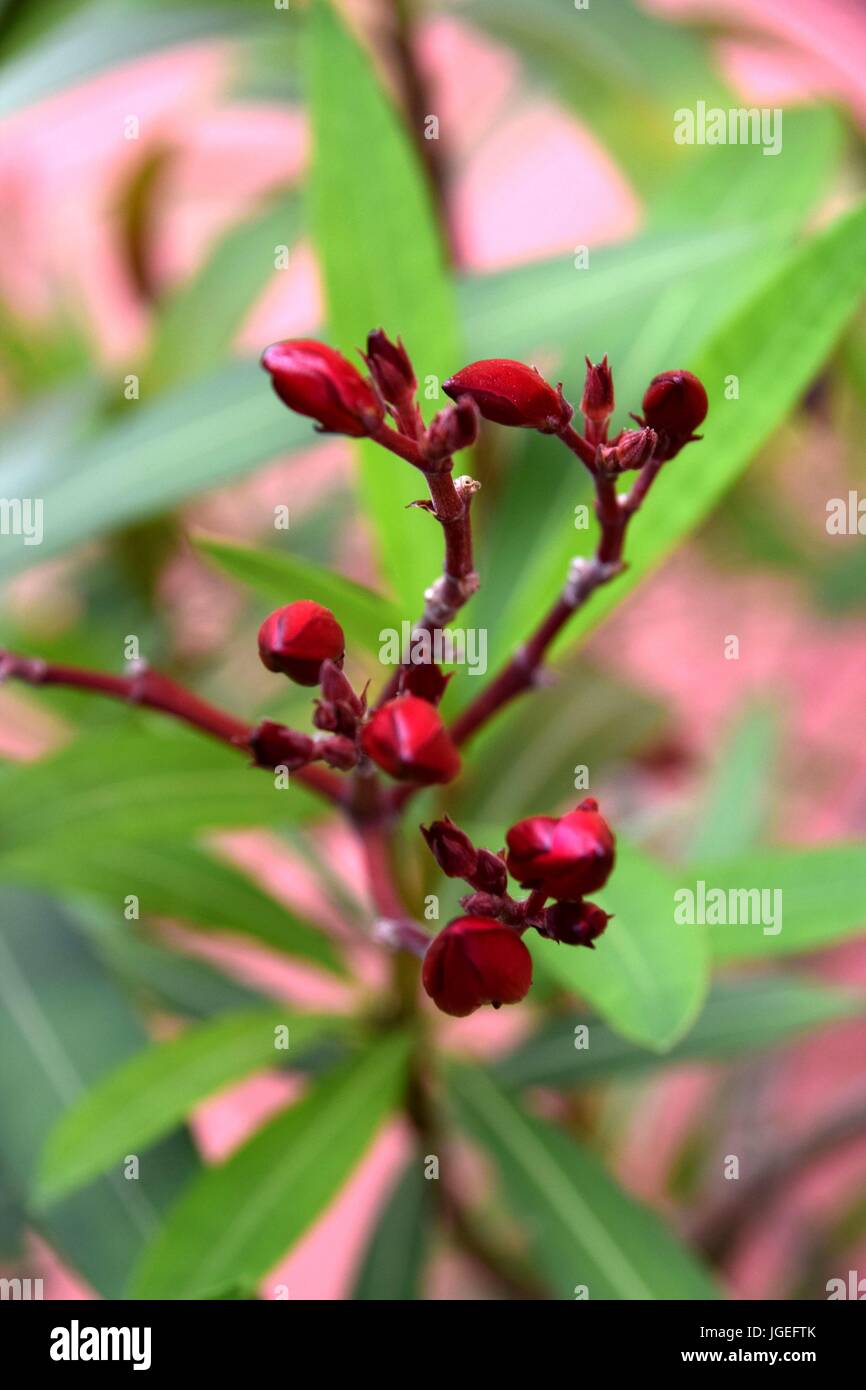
(450, 500)
(154, 691)
(614, 512)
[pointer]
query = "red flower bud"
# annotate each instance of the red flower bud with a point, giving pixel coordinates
(315, 380)
(490, 874)
(565, 858)
(339, 709)
(273, 745)
(453, 851)
(674, 404)
(597, 403)
(574, 924)
(631, 449)
(298, 638)
(407, 738)
(510, 393)
(425, 680)
(390, 367)
(475, 961)
(454, 428)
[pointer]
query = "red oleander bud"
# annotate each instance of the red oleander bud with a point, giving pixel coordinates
(490, 874)
(674, 404)
(424, 680)
(453, 851)
(295, 640)
(631, 449)
(510, 393)
(454, 428)
(390, 367)
(566, 858)
(574, 924)
(406, 737)
(597, 403)
(317, 381)
(273, 745)
(475, 961)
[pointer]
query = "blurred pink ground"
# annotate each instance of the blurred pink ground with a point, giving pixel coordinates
(60, 170)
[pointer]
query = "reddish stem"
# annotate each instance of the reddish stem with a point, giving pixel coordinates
(155, 691)
(451, 501)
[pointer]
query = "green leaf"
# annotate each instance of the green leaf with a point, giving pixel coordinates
(736, 808)
(142, 782)
(155, 454)
(646, 976)
(679, 282)
(382, 265)
(242, 1216)
(597, 54)
(169, 880)
(822, 900)
(62, 1021)
(727, 184)
(528, 756)
(740, 1018)
(161, 975)
(280, 577)
(103, 35)
(146, 1097)
(774, 346)
(196, 328)
(583, 1229)
(392, 1267)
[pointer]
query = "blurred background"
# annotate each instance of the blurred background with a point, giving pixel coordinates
(163, 220)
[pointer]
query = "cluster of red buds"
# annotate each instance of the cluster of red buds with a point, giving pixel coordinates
(404, 737)
(481, 958)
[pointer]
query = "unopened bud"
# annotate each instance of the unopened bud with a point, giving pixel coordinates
(597, 403)
(454, 428)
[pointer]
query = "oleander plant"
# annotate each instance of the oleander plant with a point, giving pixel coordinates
(351, 694)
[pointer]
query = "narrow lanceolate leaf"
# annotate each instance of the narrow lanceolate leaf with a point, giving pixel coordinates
(280, 578)
(647, 976)
(392, 1268)
(740, 1017)
(106, 33)
(778, 902)
(592, 54)
(173, 445)
(736, 803)
(63, 1022)
(173, 880)
(382, 265)
(196, 329)
(234, 1223)
(137, 783)
(155, 1090)
(588, 1237)
(773, 347)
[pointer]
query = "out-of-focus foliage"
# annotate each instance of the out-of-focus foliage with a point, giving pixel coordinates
(736, 272)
